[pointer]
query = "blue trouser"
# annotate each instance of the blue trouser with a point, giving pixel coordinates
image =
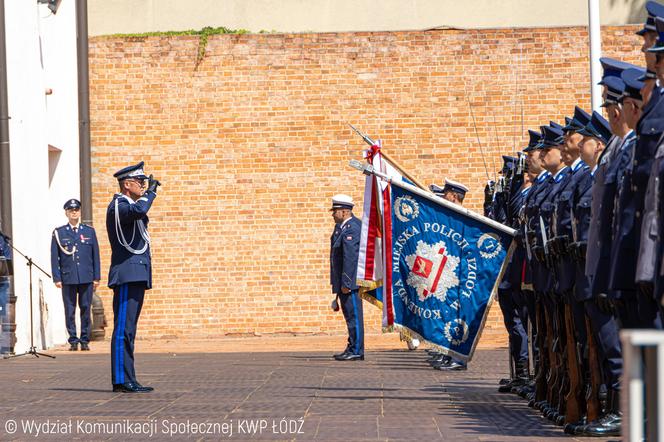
(127, 303)
(514, 323)
(71, 293)
(605, 329)
(351, 306)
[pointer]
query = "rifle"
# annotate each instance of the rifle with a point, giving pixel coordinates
(574, 398)
(543, 343)
(593, 407)
(556, 370)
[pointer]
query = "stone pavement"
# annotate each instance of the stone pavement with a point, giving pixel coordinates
(287, 395)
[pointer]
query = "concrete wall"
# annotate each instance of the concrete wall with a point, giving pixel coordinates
(41, 54)
(135, 16)
(251, 144)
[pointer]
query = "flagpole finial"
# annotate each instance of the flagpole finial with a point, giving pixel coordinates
(365, 168)
(366, 139)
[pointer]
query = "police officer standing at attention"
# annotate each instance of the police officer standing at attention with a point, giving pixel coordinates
(131, 268)
(76, 270)
(344, 250)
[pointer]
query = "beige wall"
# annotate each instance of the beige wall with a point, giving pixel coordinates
(135, 16)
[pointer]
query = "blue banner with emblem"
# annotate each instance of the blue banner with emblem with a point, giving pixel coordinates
(445, 269)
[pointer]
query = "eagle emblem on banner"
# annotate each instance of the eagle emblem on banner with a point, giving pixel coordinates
(406, 209)
(432, 270)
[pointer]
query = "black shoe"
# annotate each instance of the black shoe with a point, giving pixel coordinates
(504, 381)
(443, 361)
(338, 355)
(350, 357)
(85, 346)
(608, 425)
(143, 387)
(73, 347)
(130, 387)
(452, 366)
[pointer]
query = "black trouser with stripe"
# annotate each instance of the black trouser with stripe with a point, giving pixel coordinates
(127, 303)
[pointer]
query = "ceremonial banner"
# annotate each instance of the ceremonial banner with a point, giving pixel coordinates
(371, 261)
(443, 266)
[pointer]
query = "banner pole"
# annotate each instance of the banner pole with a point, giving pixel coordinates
(400, 168)
(368, 169)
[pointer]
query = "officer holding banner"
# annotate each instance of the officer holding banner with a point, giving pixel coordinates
(344, 250)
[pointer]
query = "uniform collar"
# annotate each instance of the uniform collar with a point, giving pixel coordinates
(78, 226)
(592, 171)
(526, 190)
(344, 222)
(577, 164)
(542, 176)
(559, 175)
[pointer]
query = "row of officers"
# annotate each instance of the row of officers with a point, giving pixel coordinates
(585, 199)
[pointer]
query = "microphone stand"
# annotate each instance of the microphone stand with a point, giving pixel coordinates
(30, 263)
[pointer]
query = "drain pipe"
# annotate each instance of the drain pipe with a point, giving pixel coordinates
(84, 149)
(84, 110)
(9, 327)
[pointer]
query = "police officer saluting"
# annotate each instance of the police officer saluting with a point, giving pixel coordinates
(131, 268)
(344, 250)
(76, 270)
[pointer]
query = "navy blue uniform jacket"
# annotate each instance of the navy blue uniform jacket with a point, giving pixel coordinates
(344, 251)
(81, 267)
(125, 265)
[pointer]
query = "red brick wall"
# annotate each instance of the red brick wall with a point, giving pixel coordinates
(251, 146)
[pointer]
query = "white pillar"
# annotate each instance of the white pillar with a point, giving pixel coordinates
(594, 33)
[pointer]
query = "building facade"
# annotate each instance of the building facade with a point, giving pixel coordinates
(43, 137)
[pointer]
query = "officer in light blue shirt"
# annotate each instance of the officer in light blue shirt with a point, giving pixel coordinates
(76, 270)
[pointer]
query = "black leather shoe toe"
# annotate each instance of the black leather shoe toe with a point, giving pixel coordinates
(73, 347)
(350, 357)
(129, 387)
(144, 388)
(85, 346)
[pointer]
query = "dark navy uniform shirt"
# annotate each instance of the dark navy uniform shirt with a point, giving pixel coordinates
(344, 251)
(628, 214)
(127, 233)
(563, 223)
(75, 255)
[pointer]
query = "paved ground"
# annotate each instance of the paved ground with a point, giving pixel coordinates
(293, 395)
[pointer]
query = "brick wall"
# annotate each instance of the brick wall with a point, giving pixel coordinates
(251, 145)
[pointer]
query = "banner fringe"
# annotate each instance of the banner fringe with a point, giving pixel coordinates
(371, 300)
(410, 334)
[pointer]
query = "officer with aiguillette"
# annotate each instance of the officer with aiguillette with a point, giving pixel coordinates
(76, 270)
(131, 268)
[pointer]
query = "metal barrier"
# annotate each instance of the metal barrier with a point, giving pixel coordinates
(642, 402)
